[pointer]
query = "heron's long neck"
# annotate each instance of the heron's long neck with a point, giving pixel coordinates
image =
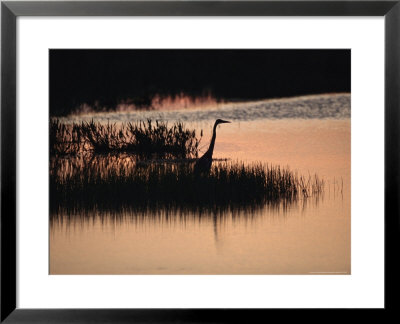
(212, 143)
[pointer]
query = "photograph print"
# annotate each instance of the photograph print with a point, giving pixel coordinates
(201, 161)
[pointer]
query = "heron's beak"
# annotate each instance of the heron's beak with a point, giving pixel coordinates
(224, 121)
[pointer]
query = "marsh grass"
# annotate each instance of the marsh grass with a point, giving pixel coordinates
(171, 186)
(144, 139)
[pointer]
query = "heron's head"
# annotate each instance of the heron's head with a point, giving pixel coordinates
(220, 121)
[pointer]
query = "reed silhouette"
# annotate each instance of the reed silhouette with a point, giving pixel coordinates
(116, 183)
(144, 139)
(147, 167)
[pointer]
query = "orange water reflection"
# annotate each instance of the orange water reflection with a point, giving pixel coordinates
(312, 236)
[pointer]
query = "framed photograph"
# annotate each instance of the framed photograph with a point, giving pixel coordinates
(198, 161)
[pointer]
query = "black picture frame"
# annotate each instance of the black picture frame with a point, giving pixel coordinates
(10, 10)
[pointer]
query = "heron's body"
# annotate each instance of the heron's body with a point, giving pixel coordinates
(203, 165)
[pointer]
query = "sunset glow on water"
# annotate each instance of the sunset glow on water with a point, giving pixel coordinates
(310, 236)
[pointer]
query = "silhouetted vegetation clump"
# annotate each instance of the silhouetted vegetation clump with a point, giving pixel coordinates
(168, 185)
(146, 139)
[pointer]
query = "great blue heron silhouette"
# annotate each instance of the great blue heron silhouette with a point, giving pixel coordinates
(203, 165)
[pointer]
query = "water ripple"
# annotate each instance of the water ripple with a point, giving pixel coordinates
(334, 106)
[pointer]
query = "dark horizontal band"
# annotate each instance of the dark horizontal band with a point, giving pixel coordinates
(201, 8)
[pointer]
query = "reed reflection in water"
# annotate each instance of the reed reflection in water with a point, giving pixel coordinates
(228, 240)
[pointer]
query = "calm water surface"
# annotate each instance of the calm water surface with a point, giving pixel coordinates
(309, 236)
